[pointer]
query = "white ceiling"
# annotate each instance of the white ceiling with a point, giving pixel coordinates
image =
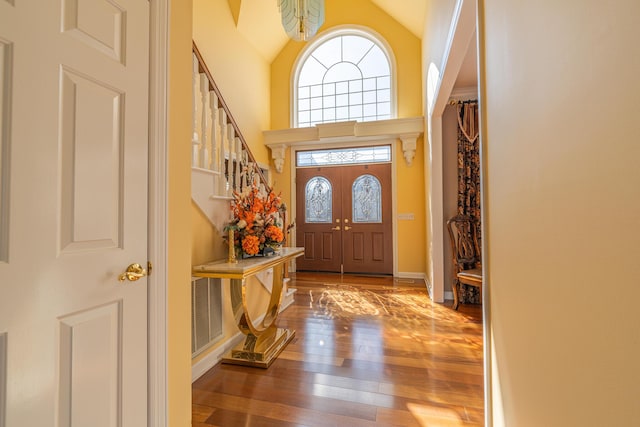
(259, 22)
(468, 74)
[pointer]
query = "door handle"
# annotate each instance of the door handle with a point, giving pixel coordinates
(336, 228)
(347, 228)
(133, 273)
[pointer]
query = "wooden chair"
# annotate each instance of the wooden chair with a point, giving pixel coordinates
(466, 254)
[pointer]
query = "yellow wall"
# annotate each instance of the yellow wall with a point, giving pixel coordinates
(179, 237)
(208, 245)
(241, 73)
(407, 50)
(405, 46)
(410, 198)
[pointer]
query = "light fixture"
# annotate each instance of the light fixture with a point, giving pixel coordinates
(301, 18)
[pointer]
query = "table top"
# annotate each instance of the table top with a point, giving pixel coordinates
(245, 267)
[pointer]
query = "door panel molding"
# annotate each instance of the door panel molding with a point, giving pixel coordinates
(91, 339)
(100, 26)
(91, 140)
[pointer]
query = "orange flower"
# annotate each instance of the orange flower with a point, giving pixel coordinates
(251, 245)
(274, 233)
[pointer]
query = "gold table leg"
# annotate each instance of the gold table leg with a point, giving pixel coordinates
(263, 343)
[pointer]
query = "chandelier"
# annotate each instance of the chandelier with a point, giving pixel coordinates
(301, 18)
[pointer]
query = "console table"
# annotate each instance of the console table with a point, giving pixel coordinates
(264, 342)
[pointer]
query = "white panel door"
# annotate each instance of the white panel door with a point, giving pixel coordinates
(73, 212)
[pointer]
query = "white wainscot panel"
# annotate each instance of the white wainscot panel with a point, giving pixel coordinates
(6, 67)
(90, 367)
(92, 165)
(100, 24)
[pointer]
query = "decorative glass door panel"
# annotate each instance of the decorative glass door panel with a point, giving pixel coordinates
(366, 194)
(344, 219)
(318, 202)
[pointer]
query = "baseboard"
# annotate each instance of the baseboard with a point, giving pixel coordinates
(448, 295)
(411, 275)
(287, 299)
(214, 357)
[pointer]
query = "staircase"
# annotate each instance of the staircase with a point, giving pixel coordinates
(222, 162)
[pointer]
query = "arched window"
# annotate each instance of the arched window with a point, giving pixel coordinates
(346, 74)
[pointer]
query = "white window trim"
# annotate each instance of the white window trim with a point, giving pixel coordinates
(342, 30)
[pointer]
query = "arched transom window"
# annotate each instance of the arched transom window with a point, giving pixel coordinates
(346, 76)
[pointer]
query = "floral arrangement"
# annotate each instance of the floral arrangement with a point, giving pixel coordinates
(258, 218)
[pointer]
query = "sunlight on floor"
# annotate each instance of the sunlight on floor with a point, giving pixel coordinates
(430, 416)
(343, 300)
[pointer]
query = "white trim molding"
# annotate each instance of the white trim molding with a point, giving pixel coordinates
(157, 408)
(463, 94)
(407, 130)
(278, 155)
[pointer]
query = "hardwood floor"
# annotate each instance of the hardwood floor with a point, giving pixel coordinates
(367, 352)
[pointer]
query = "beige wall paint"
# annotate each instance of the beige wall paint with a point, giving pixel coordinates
(239, 70)
(179, 237)
(406, 48)
(560, 98)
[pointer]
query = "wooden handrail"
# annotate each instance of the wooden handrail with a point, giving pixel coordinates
(202, 66)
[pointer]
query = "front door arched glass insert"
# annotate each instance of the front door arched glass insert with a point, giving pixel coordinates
(318, 207)
(366, 198)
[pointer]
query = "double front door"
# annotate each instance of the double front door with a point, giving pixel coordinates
(343, 219)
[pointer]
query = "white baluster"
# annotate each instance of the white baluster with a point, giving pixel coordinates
(195, 142)
(239, 163)
(231, 137)
(215, 160)
(206, 136)
(222, 115)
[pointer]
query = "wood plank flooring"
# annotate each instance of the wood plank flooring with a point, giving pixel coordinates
(368, 351)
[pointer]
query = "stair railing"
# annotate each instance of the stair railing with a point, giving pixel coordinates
(218, 145)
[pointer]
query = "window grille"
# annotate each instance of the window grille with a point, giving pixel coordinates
(347, 77)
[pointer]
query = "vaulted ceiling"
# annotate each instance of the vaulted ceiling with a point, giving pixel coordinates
(259, 21)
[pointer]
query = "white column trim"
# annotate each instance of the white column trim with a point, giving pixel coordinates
(157, 404)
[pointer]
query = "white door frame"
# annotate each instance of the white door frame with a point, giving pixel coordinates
(463, 25)
(158, 218)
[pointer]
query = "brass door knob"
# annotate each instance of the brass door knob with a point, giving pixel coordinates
(133, 273)
(347, 228)
(336, 228)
